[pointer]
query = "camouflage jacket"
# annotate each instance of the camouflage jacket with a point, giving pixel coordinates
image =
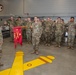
(28, 27)
(48, 27)
(71, 26)
(59, 28)
(36, 29)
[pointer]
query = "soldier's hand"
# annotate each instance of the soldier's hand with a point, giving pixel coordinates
(30, 26)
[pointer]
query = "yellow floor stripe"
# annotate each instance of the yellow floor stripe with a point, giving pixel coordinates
(5, 72)
(33, 64)
(51, 57)
(18, 66)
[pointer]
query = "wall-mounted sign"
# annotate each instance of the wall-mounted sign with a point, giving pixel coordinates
(1, 7)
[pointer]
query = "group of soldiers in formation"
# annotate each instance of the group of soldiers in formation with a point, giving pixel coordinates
(45, 31)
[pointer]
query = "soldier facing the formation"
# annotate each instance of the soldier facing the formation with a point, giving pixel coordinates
(36, 34)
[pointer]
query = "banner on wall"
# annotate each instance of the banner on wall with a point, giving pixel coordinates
(17, 35)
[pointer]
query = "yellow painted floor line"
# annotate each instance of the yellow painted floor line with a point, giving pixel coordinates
(37, 62)
(51, 57)
(5, 72)
(17, 67)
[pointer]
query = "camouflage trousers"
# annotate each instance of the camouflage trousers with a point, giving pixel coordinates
(23, 33)
(29, 36)
(63, 38)
(58, 38)
(35, 42)
(42, 39)
(71, 38)
(48, 38)
(11, 35)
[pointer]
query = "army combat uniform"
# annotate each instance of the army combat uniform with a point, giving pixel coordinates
(24, 29)
(36, 34)
(58, 33)
(43, 33)
(48, 32)
(18, 22)
(71, 33)
(11, 23)
(28, 32)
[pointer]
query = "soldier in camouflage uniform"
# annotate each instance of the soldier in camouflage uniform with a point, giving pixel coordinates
(19, 22)
(71, 32)
(1, 42)
(64, 31)
(43, 33)
(36, 34)
(48, 32)
(28, 30)
(58, 32)
(11, 23)
(53, 31)
(24, 28)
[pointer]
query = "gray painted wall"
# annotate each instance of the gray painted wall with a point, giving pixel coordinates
(12, 7)
(39, 7)
(50, 7)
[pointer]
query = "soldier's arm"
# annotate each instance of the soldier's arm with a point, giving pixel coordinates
(75, 25)
(54, 26)
(31, 26)
(66, 26)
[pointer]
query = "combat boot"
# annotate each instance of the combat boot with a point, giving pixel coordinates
(69, 47)
(1, 64)
(33, 52)
(37, 52)
(72, 47)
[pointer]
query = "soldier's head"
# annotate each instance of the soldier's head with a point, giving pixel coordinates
(36, 19)
(19, 18)
(62, 20)
(72, 19)
(5, 22)
(29, 19)
(48, 19)
(59, 19)
(11, 18)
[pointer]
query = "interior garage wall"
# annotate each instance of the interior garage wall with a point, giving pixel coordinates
(50, 7)
(12, 7)
(54, 8)
(39, 7)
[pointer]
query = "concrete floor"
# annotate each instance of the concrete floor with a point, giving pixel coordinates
(64, 64)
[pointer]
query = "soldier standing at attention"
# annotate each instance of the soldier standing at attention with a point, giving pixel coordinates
(36, 34)
(48, 32)
(58, 32)
(64, 31)
(19, 22)
(24, 28)
(42, 40)
(71, 32)
(11, 23)
(28, 30)
(1, 43)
